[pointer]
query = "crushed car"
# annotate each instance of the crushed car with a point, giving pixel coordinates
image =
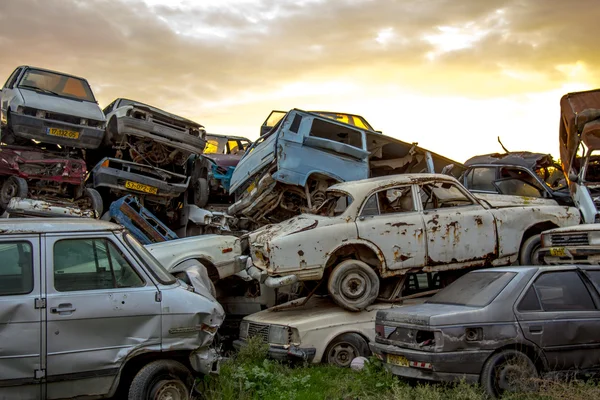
(367, 235)
(48, 120)
(278, 177)
(277, 115)
(517, 173)
(501, 327)
(212, 174)
(146, 333)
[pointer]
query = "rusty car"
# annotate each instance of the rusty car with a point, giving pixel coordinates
(49, 107)
(367, 235)
(500, 327)
(278, 177)
(87, 312)
(578, 244)
(517, 173)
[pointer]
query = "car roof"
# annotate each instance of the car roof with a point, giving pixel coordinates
(542, 268)
(390, 180)
(9, 226)
(228, 136)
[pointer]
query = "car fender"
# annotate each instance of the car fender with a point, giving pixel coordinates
(370, 245)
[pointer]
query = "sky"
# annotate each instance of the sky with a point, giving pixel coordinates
(452, 75)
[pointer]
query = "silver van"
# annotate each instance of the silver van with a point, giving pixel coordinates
(86, 311)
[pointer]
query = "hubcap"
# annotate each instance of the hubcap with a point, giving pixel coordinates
(342, 354)
(9, 190)
(354, 285)
(169, 390)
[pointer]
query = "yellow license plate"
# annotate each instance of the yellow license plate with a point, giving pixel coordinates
(63, 133)
(397, 360)
(141, 188)
(557, 252)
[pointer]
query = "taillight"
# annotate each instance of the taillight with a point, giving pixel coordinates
(380, 330)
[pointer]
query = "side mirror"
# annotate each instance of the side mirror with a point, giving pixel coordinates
(573, 177)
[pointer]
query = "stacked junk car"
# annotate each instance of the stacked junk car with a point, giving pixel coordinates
(324, 238)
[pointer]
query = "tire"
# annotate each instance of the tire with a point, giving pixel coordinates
(201, 192)
(528, 255)
(13, 186)
(344, 348)
(94, 199)
(353, 285)
(508, 371)
(159, 379)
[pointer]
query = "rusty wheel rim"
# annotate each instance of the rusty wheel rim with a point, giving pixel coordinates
(342, 354)
(355, 285)
(169, 390)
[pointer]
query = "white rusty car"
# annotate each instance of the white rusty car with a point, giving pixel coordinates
(369, 234)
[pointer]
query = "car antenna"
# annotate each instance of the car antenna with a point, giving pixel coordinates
(503, 148)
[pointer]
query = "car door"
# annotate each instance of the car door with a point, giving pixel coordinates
(458, 229)
(21, 318)
(100, 307)
(390, 220)
(559, 313)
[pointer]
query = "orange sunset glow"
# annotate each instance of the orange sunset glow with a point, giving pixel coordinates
(452, 75)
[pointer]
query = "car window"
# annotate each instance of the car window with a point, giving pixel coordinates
(12, 78)
(215, 145)
(475, 289)
(337, 133)
(154, 266)
(109, 107)
(233, 146)
(371, 207)
(482, 178)
(16, 269)
(563, 291)
(518, 182)
(56, 83)
(442, 195)
(396, 200)
(530, 301)
(91, 264)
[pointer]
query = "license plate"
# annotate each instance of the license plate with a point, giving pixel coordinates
(557, 252)
(140, 187)
(250, 188)
(62, 133)
(397, 360)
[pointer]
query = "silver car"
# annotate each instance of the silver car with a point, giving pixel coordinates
(87, 311)
(498, 327)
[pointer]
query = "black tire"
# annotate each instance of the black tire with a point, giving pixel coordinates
(13, 186)
(158, 376)
(344, 348)
(201, 192)
(528, 255)
(95, 200)
(508, 371)
(353, 285)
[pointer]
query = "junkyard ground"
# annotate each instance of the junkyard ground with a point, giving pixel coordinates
(250, 375)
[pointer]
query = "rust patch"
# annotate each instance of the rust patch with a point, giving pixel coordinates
(434, 220)
(399, 224)
(300, 253)
(478, 220)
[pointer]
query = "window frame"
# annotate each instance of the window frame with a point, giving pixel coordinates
(32, 264)
(12, 79)
(458, 186)
(593, 296)
(470, 174)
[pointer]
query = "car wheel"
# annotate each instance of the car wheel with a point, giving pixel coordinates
(94, 200)
(353, 285)
(161, 380)
(508, 371)
(14, 186)
(530, 249)
(201, 192)
(345, 348)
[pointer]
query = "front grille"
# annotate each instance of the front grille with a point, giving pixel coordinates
(574, 239)
(260, 330)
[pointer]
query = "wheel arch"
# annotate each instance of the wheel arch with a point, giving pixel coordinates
(363, 250)
(536, 229)
(321, 354)
(530, 350)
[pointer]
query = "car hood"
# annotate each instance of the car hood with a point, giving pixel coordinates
(505, 200)
(224, 160)
(575, 229)
(158, 111)
(429, 314)
(318, 313)
(61, 105)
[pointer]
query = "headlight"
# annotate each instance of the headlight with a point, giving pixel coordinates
(40, 114)
(546, 242)
(244, 329)
(83, 121)
(594, 238)
(279, 334)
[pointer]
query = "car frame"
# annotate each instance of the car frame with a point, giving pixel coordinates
(499, 327)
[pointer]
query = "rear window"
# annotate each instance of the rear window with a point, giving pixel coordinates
(476, 289)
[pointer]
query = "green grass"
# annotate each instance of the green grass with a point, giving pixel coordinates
(251, 375)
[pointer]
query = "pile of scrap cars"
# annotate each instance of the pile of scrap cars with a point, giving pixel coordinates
(324, 237)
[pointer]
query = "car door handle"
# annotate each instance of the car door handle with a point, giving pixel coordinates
(65, 308)
(535, 329)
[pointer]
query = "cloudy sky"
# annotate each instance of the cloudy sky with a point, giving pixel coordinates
(452, 75)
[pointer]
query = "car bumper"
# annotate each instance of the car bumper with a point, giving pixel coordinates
(589, 255)
(441, 367)
(168, 136)
(30, 127)
(116, 177)
(205, 361)
(284, 353)
(42, 208)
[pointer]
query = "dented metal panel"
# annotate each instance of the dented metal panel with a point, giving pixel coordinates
(41, 208)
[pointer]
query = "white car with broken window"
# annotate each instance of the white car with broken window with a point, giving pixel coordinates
(367, 235)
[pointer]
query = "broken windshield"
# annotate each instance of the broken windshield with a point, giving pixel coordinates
(553, 176)
(335, 204)
(56, 84)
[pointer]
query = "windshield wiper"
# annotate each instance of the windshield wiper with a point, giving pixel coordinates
(37, 89)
